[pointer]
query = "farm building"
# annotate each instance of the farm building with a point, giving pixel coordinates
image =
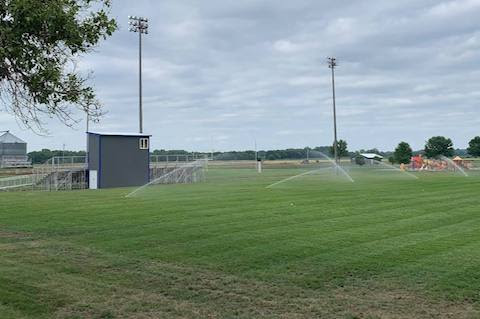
(13, 151)
(118, 159)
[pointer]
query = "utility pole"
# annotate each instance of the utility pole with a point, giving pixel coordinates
(211, 145)
(258, 162)
(139, 25)
(332, 63)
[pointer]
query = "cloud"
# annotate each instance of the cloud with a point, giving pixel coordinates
(454, 8)
(222, 73)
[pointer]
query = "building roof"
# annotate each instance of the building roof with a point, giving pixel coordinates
(371, 155)
(118, 134)
(10, 138)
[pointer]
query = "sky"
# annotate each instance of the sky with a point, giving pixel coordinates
(222, 74)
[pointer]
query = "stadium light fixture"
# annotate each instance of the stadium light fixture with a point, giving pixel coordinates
(140, 26)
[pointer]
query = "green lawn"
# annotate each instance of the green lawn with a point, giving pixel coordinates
(386, 246)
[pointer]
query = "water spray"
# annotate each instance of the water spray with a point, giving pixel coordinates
(457, 167)
(337, 167)
(396, 169)
(178, 174)
(296, 176)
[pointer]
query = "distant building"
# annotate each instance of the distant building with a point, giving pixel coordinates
(367, 158)
(118, 159)
(13, 151)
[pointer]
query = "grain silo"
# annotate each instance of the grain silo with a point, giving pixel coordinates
(13, 151)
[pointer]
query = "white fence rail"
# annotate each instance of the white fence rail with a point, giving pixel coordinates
(66, 161)
(184, 158)
(16, 182)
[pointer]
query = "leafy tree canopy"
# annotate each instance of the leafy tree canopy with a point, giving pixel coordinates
(403, 153)
(342, 148)
(360, 160)
(438, 146)
(39, 44)
(474, 147)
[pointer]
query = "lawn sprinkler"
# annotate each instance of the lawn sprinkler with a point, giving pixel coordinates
(259, 165)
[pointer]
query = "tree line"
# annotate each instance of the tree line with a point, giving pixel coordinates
(40, 157)
(434, 147)
(289, 153)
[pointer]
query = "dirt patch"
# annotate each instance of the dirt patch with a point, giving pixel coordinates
(397, 303)
(159, 290)
(12, 235)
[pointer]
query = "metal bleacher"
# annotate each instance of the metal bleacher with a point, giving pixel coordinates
(14, 161)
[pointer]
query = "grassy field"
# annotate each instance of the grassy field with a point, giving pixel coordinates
(386, 246)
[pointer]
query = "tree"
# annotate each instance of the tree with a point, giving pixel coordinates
(438, 146)
(342, 148)
(474, 147)
(360, 160)
(39, 44)
(403, 153)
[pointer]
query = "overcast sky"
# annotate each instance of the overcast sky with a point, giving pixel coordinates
(220, 73)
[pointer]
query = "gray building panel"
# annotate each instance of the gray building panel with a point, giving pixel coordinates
(13, 149)
(118, 159)
(93, 151)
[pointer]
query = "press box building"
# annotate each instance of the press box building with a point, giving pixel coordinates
(118, 159)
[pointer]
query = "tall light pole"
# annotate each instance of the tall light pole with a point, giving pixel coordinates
(332, 63)
(139, 25)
